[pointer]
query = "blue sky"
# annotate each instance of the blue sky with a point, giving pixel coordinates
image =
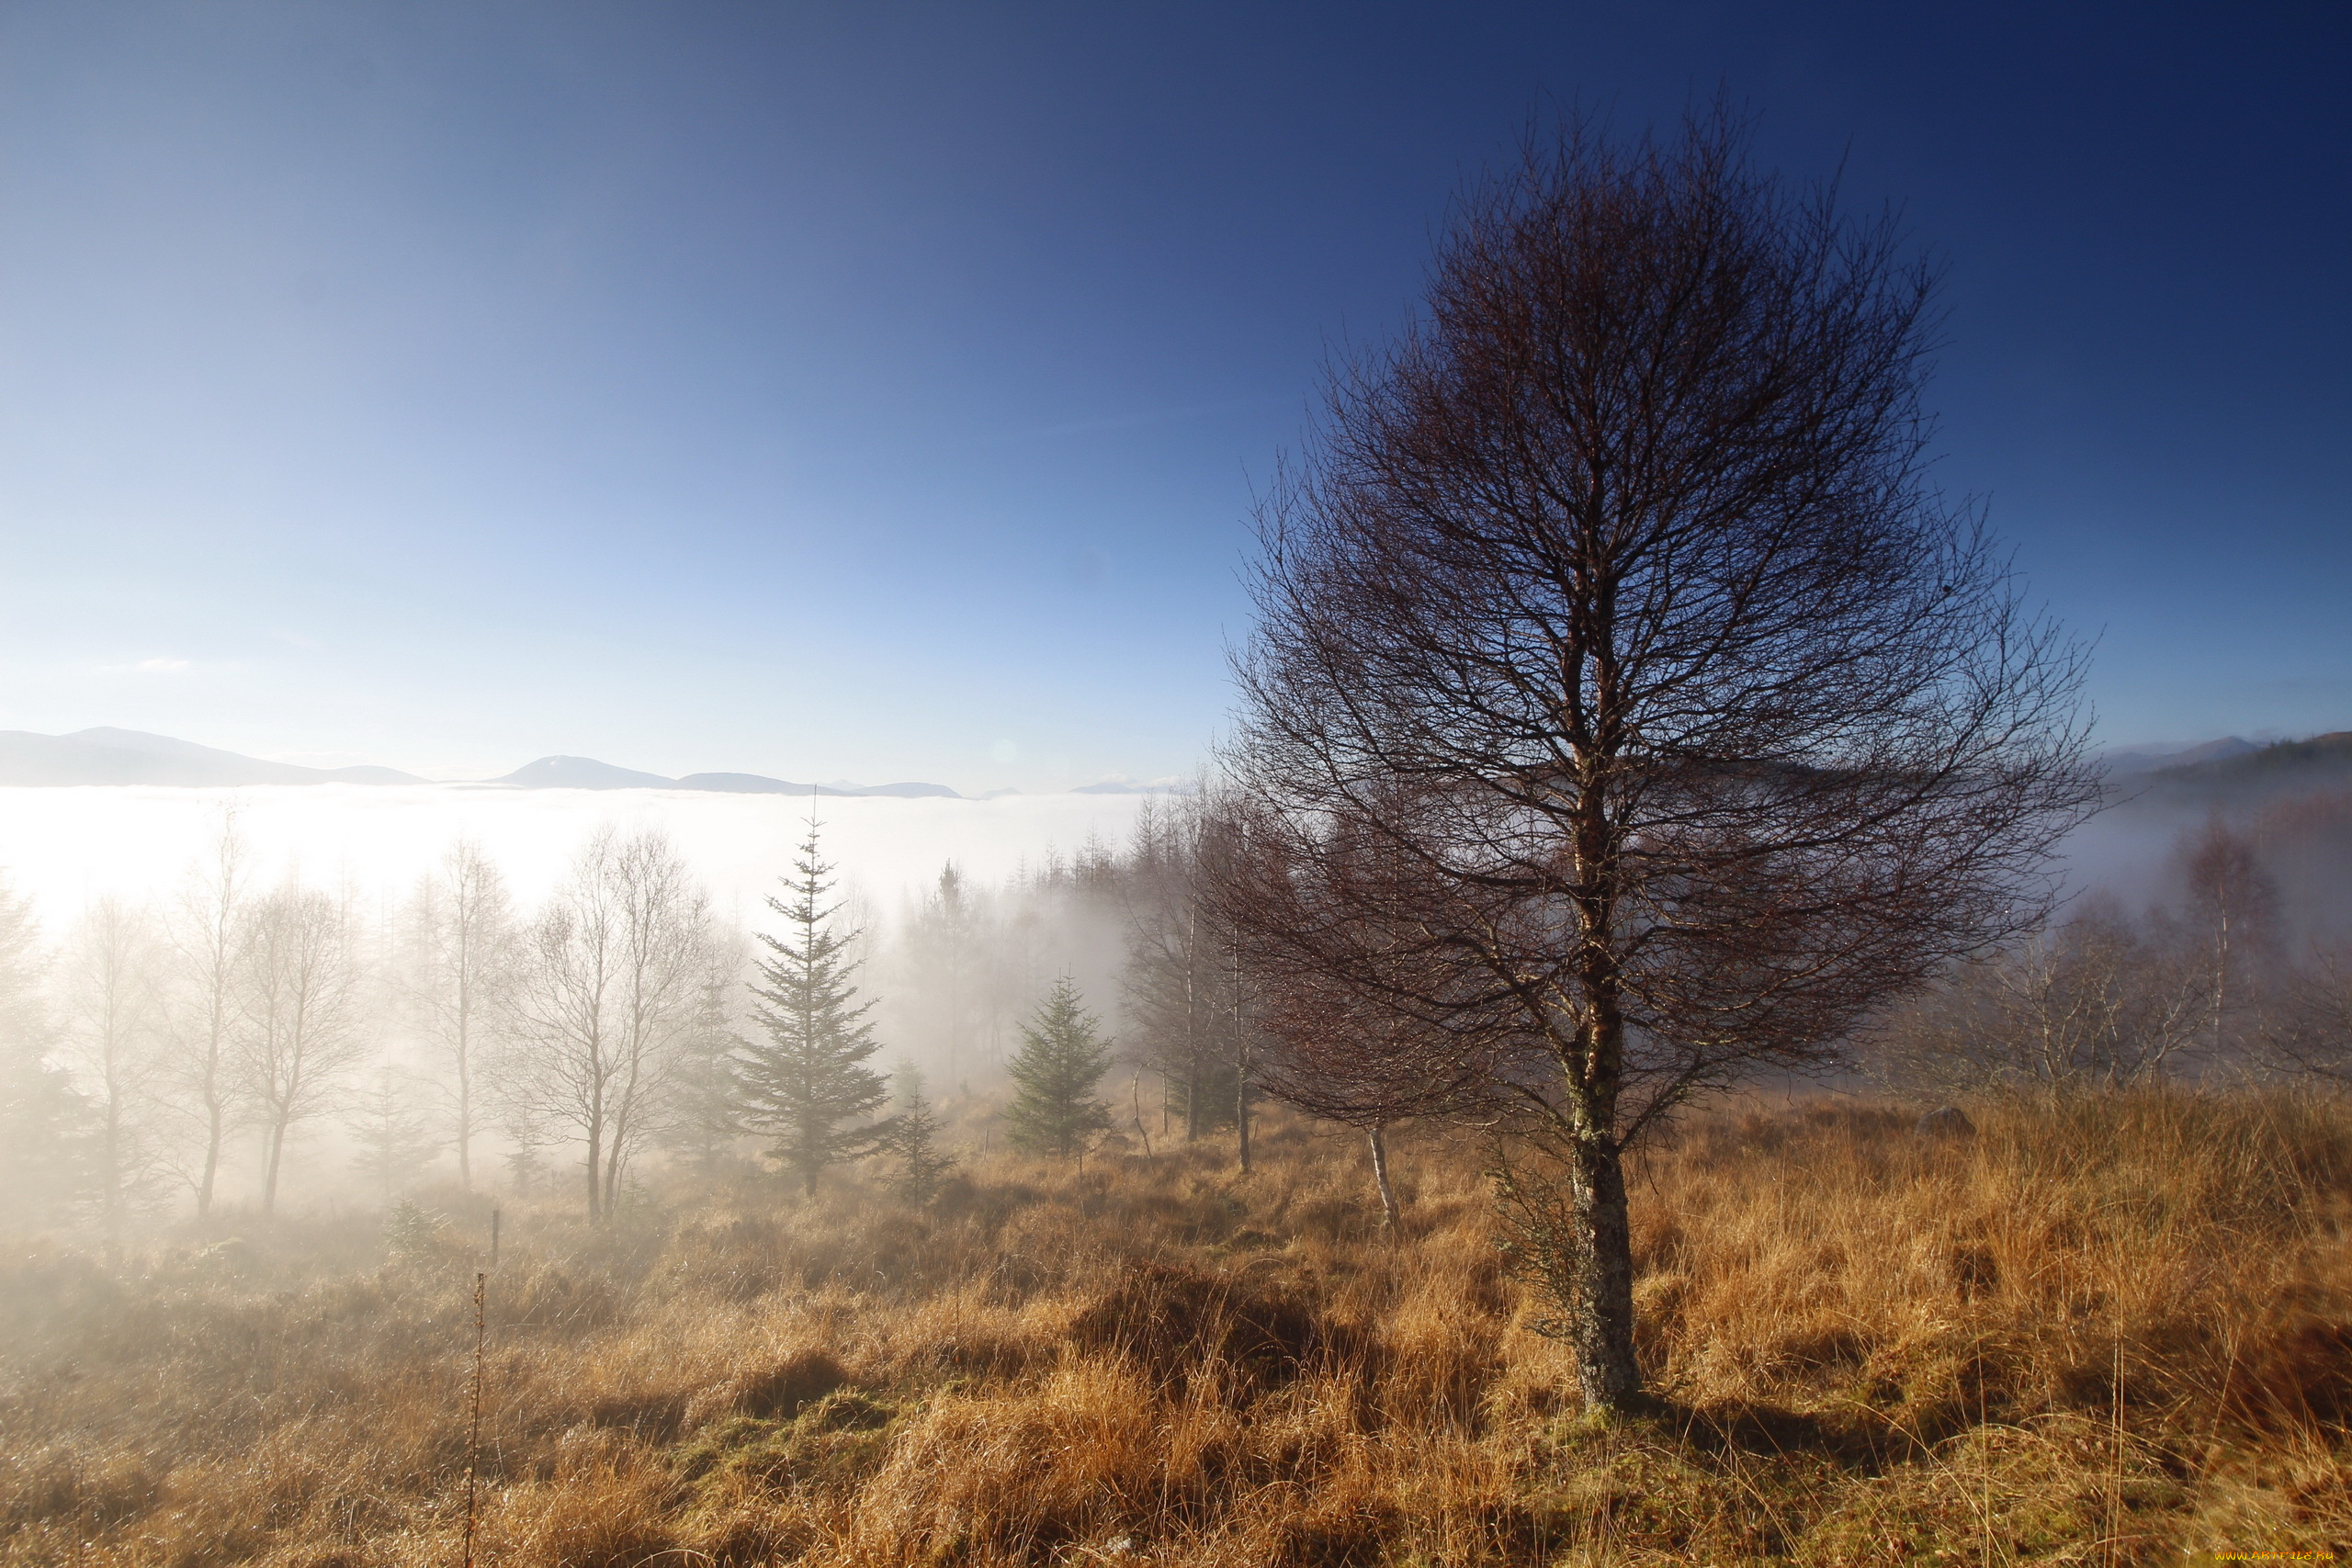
(875, 390)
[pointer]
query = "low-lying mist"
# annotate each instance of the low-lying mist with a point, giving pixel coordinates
(147, 989)
(65, 846)
(2203, 936)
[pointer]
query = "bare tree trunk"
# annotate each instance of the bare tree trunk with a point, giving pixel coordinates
(211, 1087)
(595, 1171)
(269, 1175)
(113, 1155)
(1191, 1056)
(614, 1147)
(1604, 1330)
(1241, 1115)
(1391, 1215)
(212, 1157)
(212, 911)
(1241, 1062)
(1135, 1097)
(465, 1095)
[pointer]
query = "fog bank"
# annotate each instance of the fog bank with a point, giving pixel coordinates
(67, 846)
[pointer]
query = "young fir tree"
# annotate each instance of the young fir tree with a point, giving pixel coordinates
(805, 1083)
(923, 1164)
(45, 1123)
(1054, 1074)
(704, 1113)
(393, 1132)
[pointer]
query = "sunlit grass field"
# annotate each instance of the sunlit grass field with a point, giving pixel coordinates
(2109, 1332)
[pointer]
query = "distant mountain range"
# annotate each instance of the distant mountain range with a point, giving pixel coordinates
(2128, 760)
(129, 756)
(586, 772)
(2230, 772)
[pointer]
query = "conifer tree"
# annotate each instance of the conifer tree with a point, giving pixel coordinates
(393, 1135)
(1054, 1074)
(805, 1082)
(923, 1164)
(705, 1109)
(45, 1123)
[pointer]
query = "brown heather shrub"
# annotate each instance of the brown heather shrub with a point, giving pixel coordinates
(2099, 1331)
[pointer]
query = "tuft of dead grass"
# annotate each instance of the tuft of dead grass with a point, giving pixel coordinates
(2098, 1331)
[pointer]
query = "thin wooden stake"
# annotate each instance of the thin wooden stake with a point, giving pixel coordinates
(473, 1432)
(2115, 1490)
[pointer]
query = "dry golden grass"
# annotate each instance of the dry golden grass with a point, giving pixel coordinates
(2103, 1333)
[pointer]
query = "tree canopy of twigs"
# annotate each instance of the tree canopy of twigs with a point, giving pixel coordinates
(604, 994)
(1627, 709)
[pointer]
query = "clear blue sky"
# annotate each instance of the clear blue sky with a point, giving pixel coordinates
(875, 390)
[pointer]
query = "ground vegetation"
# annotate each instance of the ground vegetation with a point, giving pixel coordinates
(2103, 1329)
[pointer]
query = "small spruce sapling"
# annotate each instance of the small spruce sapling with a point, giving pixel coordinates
(393, 1132)
(923, 1164)
(1062, 1058)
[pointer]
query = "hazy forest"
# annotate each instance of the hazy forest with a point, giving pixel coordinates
(1626, 1058)
(2111, 1314)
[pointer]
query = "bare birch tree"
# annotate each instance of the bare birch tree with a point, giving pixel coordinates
(300, 1025)
(206, 927)
(607, 986)
(1178, 981)
(666, 941)
(107, 996)
(2095, 1003)
(556, 1071)
(2229, 928)
(462, 931)
(1626, 710)
(2309, 1034)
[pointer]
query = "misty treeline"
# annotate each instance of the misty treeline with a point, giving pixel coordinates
(251, 1039)
(2239, 968)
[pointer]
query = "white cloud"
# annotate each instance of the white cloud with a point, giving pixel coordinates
(159, 666)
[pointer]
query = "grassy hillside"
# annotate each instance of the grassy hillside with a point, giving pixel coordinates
(2098, 1335)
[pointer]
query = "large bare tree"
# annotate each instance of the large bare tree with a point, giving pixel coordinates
(301, 1024)
(107, 994)
(1626, 709)
(606, 989)
(206, 927)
